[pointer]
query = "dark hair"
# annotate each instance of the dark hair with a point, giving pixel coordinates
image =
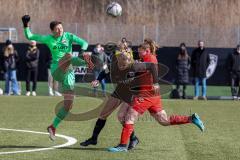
(98, 44)
(200, 41)
(53, 24)
(8, 42)
(182, 44)
(124, 39)
(238, 47)
(183, 54)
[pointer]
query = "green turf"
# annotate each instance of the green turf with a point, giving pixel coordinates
(219, 142)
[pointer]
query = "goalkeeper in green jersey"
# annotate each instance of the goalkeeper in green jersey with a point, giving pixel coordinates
(60, 45)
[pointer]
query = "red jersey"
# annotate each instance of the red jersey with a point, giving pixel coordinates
(147, 78)
(150, 58)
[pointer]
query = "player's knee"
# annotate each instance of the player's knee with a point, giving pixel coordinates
(104, 114)
(103, 117)
(162, 118)
(121, 118)
(67, 107)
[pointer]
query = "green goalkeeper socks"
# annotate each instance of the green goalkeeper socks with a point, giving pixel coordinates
(62, 113)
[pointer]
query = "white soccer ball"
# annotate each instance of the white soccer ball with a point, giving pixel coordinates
(114, 9)
(1, 91)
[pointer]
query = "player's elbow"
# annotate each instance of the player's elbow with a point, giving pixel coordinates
(85, 46)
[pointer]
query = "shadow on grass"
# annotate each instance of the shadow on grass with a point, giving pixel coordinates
(85, 149)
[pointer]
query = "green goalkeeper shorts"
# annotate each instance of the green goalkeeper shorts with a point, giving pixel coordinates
(67, 79)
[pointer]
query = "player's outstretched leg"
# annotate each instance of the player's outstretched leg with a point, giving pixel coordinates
(164, 120)
(198, 122)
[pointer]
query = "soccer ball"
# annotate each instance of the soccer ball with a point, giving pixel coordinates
(1, 91)
(114, 9)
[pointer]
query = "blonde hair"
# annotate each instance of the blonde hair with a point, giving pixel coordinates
(8, 50)
(127, 54)
(123, 49)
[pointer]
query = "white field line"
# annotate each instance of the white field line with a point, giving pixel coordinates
(70, 141)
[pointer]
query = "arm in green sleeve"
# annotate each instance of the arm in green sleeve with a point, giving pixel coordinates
(81, 42)
(36, 37)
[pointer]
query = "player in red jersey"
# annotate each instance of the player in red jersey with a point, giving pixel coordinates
(148, 98)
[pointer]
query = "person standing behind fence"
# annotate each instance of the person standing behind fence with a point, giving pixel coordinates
(99, 59)
(199, 62)
(183, 64)
(234, 67)
(32, 58)
(10, 68)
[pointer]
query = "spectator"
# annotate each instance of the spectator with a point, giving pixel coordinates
(125, 44)
(199, 62)
(10, 68)
(32, 58)
(52, 84)
(182, 66)
(99, 59)
(234, 68)
(1, 64)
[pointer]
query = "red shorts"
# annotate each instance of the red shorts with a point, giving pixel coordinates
(152, 104)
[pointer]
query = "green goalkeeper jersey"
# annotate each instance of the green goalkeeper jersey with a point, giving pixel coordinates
(58, 46)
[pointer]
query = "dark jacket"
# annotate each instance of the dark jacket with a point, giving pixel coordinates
(10, 62)
(1, 63)
(199, 62)
(183, 67)
(234, 62)
(32, 58)
(99, 59)
(48, 60)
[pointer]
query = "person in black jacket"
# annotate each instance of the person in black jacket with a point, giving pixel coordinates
(32, 58)
(234, 67)
(199, 62)
(10, 58)
(183, 63)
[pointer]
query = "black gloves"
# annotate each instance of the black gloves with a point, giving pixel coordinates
(25, 20)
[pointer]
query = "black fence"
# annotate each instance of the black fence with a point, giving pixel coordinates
(165, 55)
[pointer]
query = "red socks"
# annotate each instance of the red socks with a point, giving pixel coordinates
(176, 119)
(126, 132)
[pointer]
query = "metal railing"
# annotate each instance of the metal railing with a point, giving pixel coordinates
(171, 36)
